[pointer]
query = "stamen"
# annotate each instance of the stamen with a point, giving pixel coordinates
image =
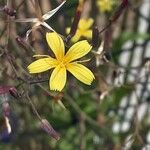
(41, 56)
(82, 61)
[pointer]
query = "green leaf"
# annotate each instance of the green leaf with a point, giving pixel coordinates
(115, 96)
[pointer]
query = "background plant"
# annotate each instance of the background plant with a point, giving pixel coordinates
(116, 98)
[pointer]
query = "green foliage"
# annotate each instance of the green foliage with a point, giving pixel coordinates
(112, 101)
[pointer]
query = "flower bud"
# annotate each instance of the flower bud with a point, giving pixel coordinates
(45, 125)
(9, 11)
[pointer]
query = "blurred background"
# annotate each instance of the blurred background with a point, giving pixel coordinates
(113, 113)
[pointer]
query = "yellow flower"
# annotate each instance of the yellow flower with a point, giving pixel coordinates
(105, 5)
(63, 62)
(83, 29)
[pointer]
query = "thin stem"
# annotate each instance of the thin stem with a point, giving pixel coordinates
(99, 130)
(33, 107)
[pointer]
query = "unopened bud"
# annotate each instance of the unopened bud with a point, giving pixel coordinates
(9, 11)
(45, 125)
(13, 92)
(21, 42)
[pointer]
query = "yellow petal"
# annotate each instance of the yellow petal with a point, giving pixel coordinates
(68, 30)
(56, 43)
(85, 24)
(76, 37)
(81, 72)
(78, 50)
(42, 65)
(87, 34)
(105, 5)
(58, 78)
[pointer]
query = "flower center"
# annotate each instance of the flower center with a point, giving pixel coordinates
(62, 64)
(82, 31)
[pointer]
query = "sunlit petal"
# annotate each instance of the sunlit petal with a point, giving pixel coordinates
(58, 78)
(76, 37)
(78, 50)
(42, 65)
(81, 72)
(68, 30)
(87, 34)
(56, 43)
(105, 5)
(85, 24)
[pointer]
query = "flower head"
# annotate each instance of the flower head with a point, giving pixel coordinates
(105, 5)
(83, 29)
(63, 62)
